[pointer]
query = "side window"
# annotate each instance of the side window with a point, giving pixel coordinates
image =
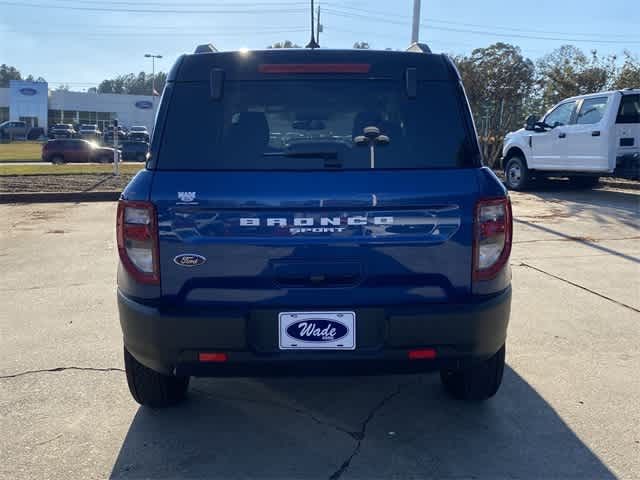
(629, 111)
(592, 110)
(561, 115)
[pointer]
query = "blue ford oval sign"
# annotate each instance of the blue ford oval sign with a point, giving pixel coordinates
(189, 260)
(29, 92)
(317, 330)
(144, 104)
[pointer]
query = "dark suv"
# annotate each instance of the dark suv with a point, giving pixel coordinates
(323, 211)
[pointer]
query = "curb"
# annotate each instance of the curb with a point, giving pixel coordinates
(51, 197)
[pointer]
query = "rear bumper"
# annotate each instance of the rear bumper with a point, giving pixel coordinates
(169, 342)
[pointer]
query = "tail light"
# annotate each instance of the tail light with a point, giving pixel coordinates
(492, 237)
(137, 233)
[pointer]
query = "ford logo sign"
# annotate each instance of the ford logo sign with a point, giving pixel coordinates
(317, 330)
(189, 260)
(29, 92)
(144, 104)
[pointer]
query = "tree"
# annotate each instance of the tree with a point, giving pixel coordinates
(7, 74)
(63, 87)
(567, 72)
(361, 45)
(497, 80)
(132, 84)
(285, 44)
(628, 76)
(31, 79)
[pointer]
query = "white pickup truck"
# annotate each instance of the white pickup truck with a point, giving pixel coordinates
(582, 138)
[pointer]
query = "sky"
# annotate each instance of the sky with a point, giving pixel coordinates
(81, 42)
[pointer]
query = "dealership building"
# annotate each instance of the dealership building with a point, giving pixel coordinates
(34, 103)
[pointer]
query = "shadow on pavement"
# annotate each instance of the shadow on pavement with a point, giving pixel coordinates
(309, 427)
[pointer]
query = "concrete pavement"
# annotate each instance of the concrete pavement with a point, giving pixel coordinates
(568, 407)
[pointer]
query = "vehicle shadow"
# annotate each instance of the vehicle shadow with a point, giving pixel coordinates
(355, 427)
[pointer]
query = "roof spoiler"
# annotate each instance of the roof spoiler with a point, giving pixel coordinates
(205, 48)
(419, 48)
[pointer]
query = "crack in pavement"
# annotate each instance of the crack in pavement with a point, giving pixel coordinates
(523, 264)
(580, 239)
(299, 411)
(61, 369)
(360, 435)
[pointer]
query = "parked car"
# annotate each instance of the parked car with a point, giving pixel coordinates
(75, 150)
(90, 132)
(63, 130)
(376, 242)
(13, 129)
(582, 138)
(134, 151)
(35, 133)
(139, 134)
(109, 134)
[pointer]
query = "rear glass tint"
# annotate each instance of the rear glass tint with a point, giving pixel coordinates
(629, 111)
(312, 124)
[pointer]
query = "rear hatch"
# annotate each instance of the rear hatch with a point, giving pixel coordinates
(315, 190)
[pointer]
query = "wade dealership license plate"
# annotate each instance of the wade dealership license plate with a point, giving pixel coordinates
(317, 330)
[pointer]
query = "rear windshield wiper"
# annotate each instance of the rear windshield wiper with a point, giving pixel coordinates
(324, 154)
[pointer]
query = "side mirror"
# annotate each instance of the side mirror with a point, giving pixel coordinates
(530, 123)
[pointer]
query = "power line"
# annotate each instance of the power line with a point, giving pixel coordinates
(450, 22)
(247, 10)
(478, 32)
(160, 34)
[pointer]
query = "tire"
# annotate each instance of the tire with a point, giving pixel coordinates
(584, 182)
(476, 383)
(57, 159)
(153, 389)
(516, 173)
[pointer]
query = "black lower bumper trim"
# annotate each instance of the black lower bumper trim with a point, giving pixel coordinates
(460, 333)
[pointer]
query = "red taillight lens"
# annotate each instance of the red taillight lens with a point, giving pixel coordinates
(137, 234)
(492, 237)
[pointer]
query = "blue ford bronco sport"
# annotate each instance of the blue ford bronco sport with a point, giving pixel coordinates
(313, 211)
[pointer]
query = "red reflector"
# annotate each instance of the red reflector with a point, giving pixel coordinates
(314, 68)
(212, 357)
(422, 354)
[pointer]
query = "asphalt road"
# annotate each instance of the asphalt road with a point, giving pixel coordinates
(569, 406)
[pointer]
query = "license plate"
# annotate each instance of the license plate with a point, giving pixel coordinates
(317, 330)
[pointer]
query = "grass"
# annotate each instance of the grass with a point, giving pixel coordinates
(77, 169)
(21, 152)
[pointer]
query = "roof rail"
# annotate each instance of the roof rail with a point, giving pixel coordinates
(205, 48)
(419, 48)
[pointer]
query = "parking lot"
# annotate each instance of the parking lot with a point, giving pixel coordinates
(568, 407)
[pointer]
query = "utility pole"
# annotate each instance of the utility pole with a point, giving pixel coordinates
(318, 27)
(153, 83)
(415, 29)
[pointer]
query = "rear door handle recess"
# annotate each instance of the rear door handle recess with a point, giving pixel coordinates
(562, 135)
(595, 133)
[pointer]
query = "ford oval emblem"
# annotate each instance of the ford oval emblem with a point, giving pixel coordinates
(317, 330)
(29, 92)
(189, 260)
(144, 104)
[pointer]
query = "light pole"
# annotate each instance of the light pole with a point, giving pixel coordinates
(153, 82)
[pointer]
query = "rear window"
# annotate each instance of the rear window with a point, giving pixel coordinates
(629, 111)
(312, 124)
